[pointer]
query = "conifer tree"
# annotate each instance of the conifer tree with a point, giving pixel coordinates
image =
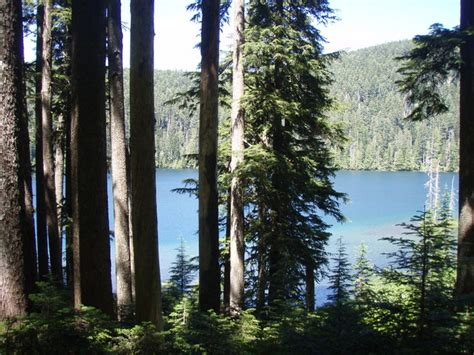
(13, 232)
(41, 231)
(120, 181)
(182, 272)
(288, 161)
(92, 280)
(425, 262)
(436, 58)
(54, 238)
(209, 273)
(142, 165)
(236, 212)
(363, 273)
(340, 277)
(465, 273)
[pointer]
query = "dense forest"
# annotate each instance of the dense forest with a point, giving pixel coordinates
(368, 107)
(267, 126)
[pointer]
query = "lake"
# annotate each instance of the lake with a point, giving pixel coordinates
(378, 201)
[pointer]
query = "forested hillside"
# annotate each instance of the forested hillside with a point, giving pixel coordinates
(368, 107)
(176, 127)
(371, 112)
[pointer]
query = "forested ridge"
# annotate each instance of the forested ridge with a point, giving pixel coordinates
(368, 106)
(372, 113)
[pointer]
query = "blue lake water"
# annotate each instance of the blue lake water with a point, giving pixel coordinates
(378, 201)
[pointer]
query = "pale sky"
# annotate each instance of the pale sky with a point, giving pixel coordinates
(362, 23)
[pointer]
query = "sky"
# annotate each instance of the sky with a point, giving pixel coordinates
(362, 23)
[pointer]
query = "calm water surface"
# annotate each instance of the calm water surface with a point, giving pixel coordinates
(378, 201)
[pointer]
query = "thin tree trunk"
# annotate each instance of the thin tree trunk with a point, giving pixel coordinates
(59, 173)
(142, 148)
(237, 242)
(465, 270)
(68, 204)
(310, 306)
(130, 231)
(119, 165)
(31, 271)
(67, 208)
(48, 155)
(13, 236)
(41, 230)
(262, 264)
(58, 182)
(226, 296)
(92, 281)
(209, 273)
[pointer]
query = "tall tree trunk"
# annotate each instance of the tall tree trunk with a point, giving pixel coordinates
(13, 236)
(58, 184)
(48, 155)
(277, 285)
(59, 173)
(262, 275)
(310, 306)
(119, 164)
(41, 231)
(237, 242)
(68, 206)
(465, 270)
(226, 292)
(130, 230)
(92, 282)
(142, 148)
(31, 271)
(209, 273)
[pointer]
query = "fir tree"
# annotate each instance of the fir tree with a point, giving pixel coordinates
(288, 163)
(182, 272)
(363, 273)
(340, 277)
(425, 263)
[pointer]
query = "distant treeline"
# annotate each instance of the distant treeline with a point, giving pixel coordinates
(368, 107)
(371, 111)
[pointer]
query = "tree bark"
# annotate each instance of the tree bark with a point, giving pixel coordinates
(41, 230)
(142, 148)
(119, 165)
(13, 236)
(226, 256)
(310, 305)
(48, 154)
(59, 174)
(465, 270)
(237, 242)
(92, 282)
(209, 272)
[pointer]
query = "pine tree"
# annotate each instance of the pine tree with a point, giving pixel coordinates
(465, 274)
(437, 58)
(54, 238)
(288, 163)
(13, 234)
(237, 243)
(41, 231)
(92, 281)
(182, 272)
(340, 276)
(363, 273)
(209, 273)
(120, 181)
(142, 165)
(425, 262)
